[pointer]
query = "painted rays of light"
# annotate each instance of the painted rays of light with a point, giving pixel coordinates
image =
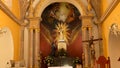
(114, 29)
(62, 33)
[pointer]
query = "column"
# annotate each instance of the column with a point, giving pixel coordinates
(31, 43)
(22, 43)
(36, 50)
(30, 18)
(37, 57)
(90, 31)
(85, 52)
(91, 48)
(100, 42)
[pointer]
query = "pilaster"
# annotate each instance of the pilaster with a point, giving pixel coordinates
(23, 25)
(30, 50)
(100, 42)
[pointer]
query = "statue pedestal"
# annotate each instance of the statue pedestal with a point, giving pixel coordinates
(62, 45)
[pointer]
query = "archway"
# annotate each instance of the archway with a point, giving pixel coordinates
(7, 49)
(113, 49)
(52, 16)
(37, 19)
(44, 3)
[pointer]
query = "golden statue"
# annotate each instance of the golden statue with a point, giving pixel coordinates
(62, 33)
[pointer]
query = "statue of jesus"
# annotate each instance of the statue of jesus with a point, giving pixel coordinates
(62, 32)
(61, 36)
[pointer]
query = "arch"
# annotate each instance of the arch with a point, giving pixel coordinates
(43, 4)
(7, 49)
(113, 48)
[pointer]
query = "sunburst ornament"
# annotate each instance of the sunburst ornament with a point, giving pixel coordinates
(62, 33)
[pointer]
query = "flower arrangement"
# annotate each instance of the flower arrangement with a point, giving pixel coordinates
(48, 60)
(77, 61)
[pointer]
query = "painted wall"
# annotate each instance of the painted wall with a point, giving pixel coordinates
(112, 18)
(6, 21)
(15, 8)
(104, 5)
(13, 5)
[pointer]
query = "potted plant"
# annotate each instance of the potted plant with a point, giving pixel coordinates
(77, 61)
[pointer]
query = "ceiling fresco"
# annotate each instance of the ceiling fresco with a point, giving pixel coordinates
(61, 13)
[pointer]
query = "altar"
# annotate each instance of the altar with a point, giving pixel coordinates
(63, 61)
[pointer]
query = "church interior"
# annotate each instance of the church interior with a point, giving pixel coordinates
(59, 34)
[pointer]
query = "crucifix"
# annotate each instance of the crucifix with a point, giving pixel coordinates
(92, 40)
(91, 44)
(91, 49)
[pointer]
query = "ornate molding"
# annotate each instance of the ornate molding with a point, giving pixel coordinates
(109, 10)
(42, 4)
(114, 29)
(5, 9)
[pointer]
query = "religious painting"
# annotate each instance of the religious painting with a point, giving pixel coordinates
(61, 22)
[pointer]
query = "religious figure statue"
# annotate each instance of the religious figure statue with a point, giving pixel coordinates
(62, 32)
(62, 36)
(92, 51)
(115, 29)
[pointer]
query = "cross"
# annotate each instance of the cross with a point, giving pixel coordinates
(92, 40)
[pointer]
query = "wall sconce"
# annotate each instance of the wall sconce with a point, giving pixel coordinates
(114, 29)
(2, 31)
